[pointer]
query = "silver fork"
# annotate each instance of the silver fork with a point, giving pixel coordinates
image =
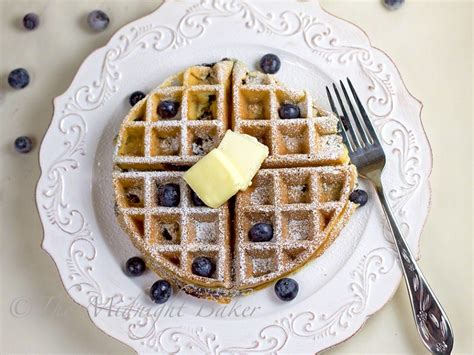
(367, 154)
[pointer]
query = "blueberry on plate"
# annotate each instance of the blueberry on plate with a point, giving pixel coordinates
(135, 97)
(270, 63)
(135, 266)
(202, 266)
(30, 21)
(23, 144)
(196, 200)
(286, 289)
(160, 291)
(359, 196)
(98, 20)
(289, 111)
(168, 195)
(19, 78)
(261, 232)
(393, 4)
(168, 109)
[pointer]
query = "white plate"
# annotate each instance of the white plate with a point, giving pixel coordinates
(338, 291)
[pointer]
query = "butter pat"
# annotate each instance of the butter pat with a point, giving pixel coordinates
(214, 179)
(227, 169)
(246, 154)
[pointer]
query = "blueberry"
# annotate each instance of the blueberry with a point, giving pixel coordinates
(202, 266)
(23, 144)
(393, 4)
(209, 65)
(261, 232)
(168, 195)
(166, 234)
(135, 266)
(133, 199)
(286, 289)
(196, 200)
(30, 21)
(160, 291)
(135, 97)
(288, 111)
(359, 196)
(19, 78)
(270, 63)
(98, 20)
(168, 108)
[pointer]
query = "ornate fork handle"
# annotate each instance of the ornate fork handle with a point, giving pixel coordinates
(431, 321)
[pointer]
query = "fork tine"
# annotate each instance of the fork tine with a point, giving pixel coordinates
(342, 129)
(354, 137)
(368, 124)
(355, 117)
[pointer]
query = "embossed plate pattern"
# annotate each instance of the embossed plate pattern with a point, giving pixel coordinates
(338, 291)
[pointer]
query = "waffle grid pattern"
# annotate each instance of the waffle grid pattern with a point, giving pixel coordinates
(302, 205)
(302, 188)
(302, 141)
(148, 140)
(176, 235)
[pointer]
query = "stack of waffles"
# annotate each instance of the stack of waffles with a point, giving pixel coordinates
(302, 189)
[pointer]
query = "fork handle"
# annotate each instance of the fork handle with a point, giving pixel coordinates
(430, 319)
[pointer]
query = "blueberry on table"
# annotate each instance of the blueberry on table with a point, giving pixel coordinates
(19, 78)
(160, 291)
(286, 289)
(202, 266)
(261, 232)
(393, 4)
(30, 21)
(289, 111)
(23, 144)
(98, 20)
(135, 266)
(136, 97)
(359, 196)
(168, 109)
(270, 63)
(196, 200)
(168, 195)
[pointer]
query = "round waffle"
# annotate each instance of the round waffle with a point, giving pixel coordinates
(302, 189)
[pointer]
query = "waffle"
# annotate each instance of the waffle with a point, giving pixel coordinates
(307, 208)
(147, 141)
(311, 140)
(302, 188)
(170, 237)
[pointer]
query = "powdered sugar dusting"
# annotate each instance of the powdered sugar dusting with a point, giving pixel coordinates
(290, 196)
(262, 266)
(298, 229)
(169, 145)
(203, 144)
(206, 232)
(196, 83)
(210, 226)
(295, 223)
(261, 196)
(286, 150)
